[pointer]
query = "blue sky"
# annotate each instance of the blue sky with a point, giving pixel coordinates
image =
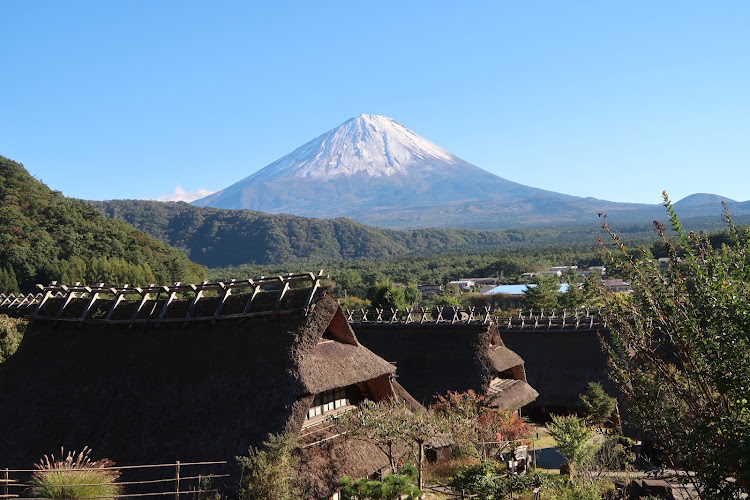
(617, 100)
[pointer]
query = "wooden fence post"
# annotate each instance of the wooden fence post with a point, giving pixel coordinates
(5, 483)
(177, 480)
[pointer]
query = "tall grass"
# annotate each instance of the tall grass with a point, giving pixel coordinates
(76, 476)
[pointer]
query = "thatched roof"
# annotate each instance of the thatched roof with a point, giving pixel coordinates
(334, 364)
(560, 364)
(188, 391)
(433, 359)
(510, 394)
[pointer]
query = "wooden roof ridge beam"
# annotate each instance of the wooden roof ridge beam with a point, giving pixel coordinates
(119, 293)
(198, 291)
(249, 304)
(226, 292)
(92, 299)
(179, 287)
(70, 294)
(313, 289)
(48, 292)
(172, 294)
(284, 289)
(145, 296)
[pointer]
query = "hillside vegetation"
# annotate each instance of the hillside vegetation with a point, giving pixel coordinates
(358, 277)
(45, 236)
(223, 237)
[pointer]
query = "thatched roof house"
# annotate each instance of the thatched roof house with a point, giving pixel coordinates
(561, 364)
(434, 358)
(165, 378)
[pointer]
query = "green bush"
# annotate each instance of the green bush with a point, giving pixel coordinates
(482, 478)
(11, 333)
(270, 472)
(490, 483)
(581, 490)
(392, 486)
(75, 476)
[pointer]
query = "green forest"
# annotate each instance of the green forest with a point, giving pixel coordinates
(219, 238)
(49, 237)
(46, 237)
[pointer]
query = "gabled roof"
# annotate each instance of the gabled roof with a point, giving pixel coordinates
(433, 358)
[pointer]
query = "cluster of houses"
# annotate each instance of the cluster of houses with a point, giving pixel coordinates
(511, 294)
(204, 372)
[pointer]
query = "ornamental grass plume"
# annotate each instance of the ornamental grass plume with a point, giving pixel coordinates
(75, 476)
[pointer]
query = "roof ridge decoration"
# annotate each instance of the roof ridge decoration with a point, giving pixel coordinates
(581, 319)
(113, 298)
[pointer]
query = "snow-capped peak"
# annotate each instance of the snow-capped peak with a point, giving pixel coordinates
(372, 144)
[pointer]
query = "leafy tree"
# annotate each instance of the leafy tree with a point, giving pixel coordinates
(542, 296)
(461, 411)
(504, 427)
(596, 404)
(612, 453)
(680, 350)
(412, 294)
(269, 472)
(354, 303)
(572, 436)
(420, 426)
(447, 299)
(390, 423)
(471, 421)
(386, 295)
(379, 423)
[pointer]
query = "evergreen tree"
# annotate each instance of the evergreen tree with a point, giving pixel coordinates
(542, 296)
(596, 404)
(270, 472)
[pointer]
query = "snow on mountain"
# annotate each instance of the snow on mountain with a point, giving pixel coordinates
(376, 171)
(372, 144)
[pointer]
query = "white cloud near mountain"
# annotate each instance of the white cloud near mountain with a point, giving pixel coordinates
(180, 194)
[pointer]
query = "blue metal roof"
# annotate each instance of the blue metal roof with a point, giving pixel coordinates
(519, 289)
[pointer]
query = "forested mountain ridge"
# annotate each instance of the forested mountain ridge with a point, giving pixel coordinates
(224, 237)
(45, 236)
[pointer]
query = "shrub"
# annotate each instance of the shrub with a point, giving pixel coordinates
(270, 472)
(11, 333)
(598, 490)
(596, 404)
(75, 476)
(482, 478)
(572, 436)
(392, 486)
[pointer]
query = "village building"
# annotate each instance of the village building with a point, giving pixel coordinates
(462, 285)
(466, 284)
(192, 373)
(434, 358)
(617, 285)
(429, 291)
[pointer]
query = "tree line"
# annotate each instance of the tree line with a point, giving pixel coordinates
(45, 236)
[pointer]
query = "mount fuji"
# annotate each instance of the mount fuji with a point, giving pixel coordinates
(376, 171)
